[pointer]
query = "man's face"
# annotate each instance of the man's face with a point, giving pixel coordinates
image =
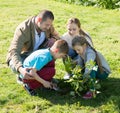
(45, 25)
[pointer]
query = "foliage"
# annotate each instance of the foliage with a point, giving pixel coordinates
(79, 82)
(104, 30)
(69, 64)
(108, 4)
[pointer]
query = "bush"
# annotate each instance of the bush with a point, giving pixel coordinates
(81, 83)
(108, 4)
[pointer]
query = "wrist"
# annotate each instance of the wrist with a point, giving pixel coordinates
(43, 82)
(38, 78)
(20, 69)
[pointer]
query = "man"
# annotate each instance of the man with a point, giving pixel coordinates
(29, 36)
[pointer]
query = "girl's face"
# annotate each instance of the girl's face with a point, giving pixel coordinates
(80, 49)
(73, 29)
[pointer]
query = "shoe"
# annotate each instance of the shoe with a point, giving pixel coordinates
(88, 95)
(30, 91)
(67, 76)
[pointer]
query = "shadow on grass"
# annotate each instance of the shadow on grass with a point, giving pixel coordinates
(3, 102)
(109, 92)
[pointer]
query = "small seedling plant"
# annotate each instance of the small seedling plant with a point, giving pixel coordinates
(79, 81)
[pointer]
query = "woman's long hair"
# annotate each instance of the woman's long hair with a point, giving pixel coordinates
(81, 32)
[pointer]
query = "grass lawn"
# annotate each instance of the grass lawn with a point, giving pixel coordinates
(104, 28)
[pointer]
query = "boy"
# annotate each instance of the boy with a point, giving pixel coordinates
(42, 65)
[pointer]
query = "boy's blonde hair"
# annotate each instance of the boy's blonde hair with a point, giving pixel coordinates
(62, 46)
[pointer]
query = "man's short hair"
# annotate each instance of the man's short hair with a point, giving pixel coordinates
(45, 14)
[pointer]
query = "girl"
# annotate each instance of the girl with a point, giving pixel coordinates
(74, 29)
(87, 53)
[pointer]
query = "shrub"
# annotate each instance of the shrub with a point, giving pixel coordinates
(108, 4)
(81, 83)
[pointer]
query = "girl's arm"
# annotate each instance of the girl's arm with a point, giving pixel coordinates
(45, 83)
(90, 58)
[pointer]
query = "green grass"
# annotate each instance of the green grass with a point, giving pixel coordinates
(104, 28)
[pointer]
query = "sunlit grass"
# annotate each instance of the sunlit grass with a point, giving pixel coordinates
(104, 28)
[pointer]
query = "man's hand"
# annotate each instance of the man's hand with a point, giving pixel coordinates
(25, 73)
(50, 42)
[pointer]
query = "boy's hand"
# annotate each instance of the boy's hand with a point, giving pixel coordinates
(47, 84)
(25, 73)
(33, 73)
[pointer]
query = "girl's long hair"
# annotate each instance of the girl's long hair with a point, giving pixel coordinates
(79, 40)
